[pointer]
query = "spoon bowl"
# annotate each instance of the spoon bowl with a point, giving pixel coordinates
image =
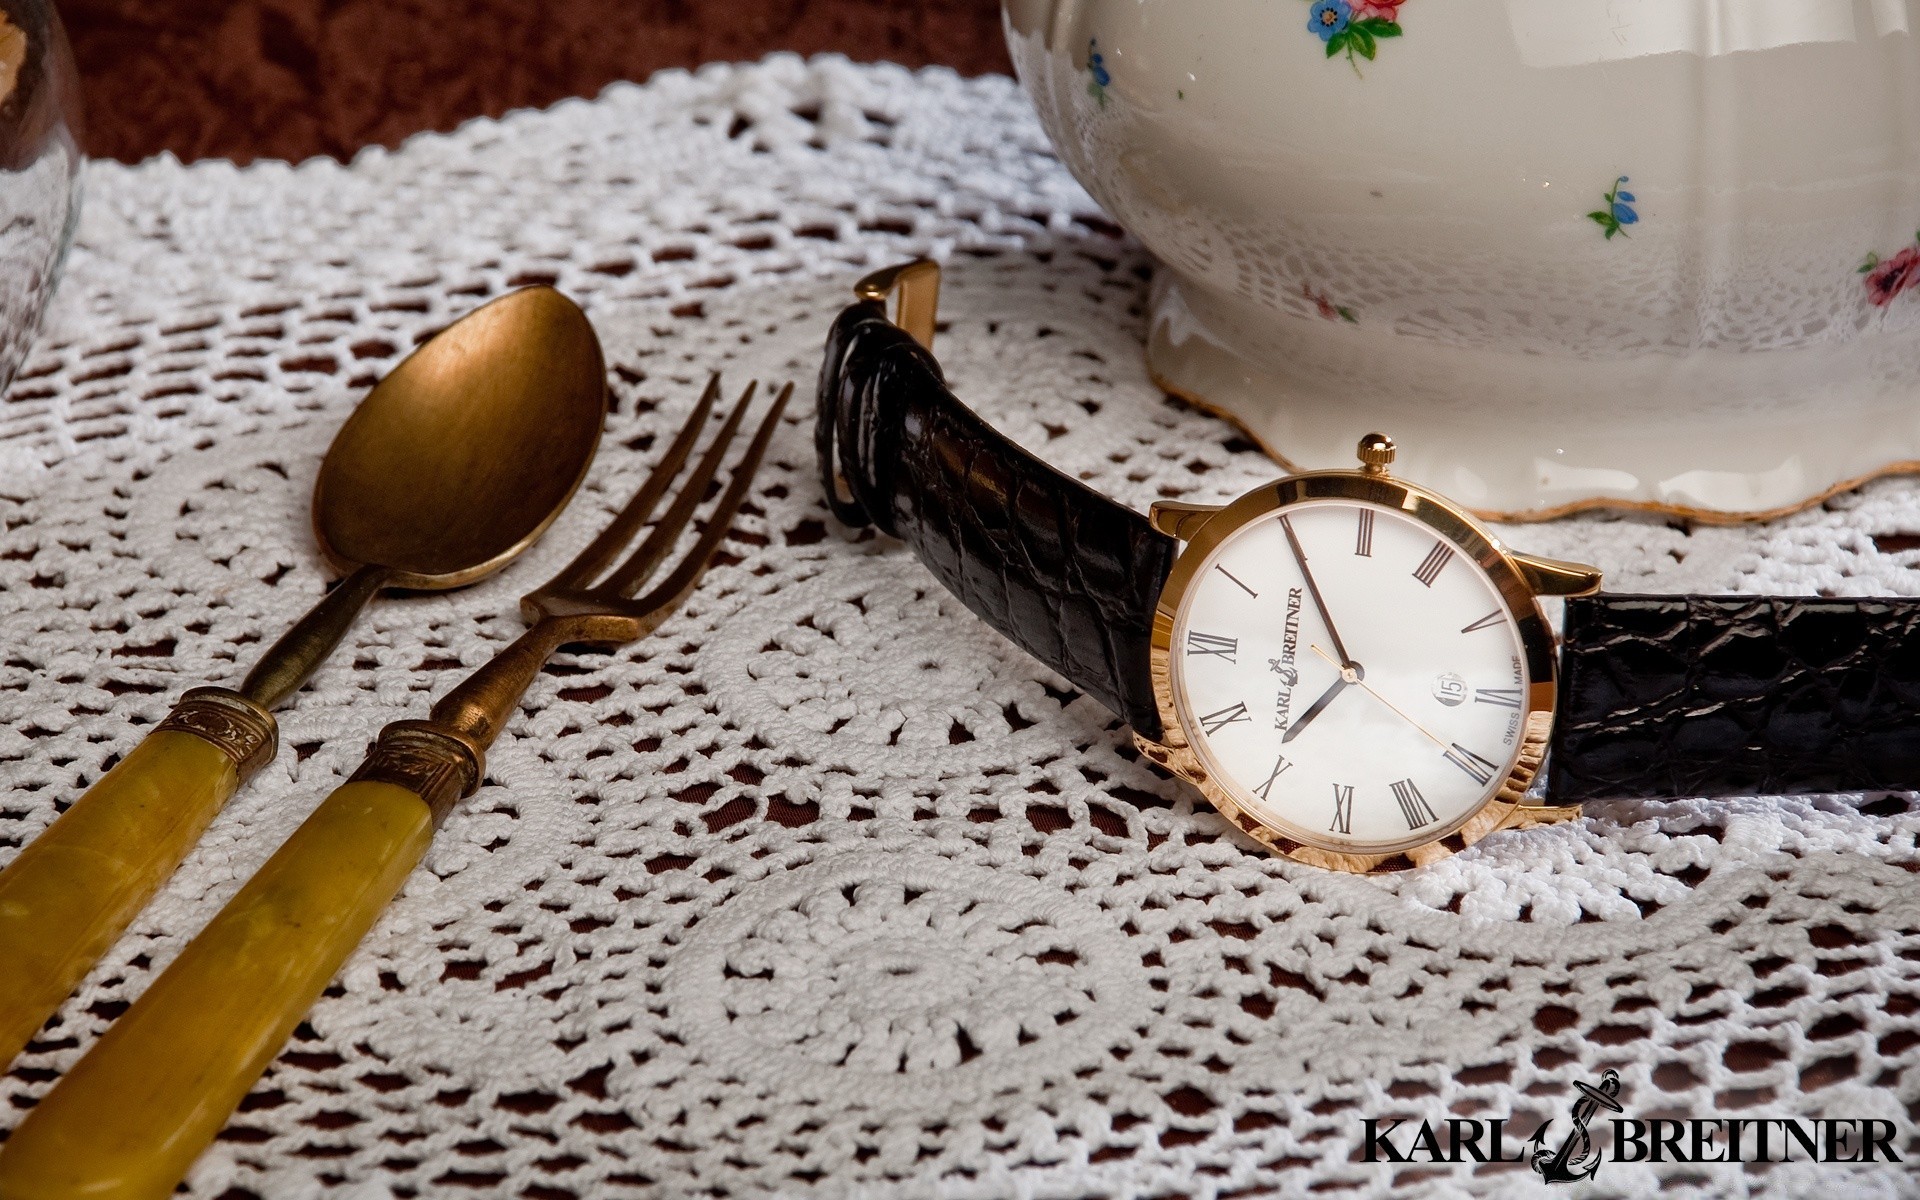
(468, 450)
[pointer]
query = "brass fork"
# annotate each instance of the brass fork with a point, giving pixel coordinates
(137, 1109)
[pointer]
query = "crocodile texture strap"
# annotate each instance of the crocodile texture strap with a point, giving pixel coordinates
(1714, 696)
(1065, 573)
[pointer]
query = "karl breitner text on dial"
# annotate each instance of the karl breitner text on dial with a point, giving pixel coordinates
(1284, 665)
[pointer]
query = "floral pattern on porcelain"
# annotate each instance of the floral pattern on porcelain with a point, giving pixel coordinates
(1887, 277)
(1327, 308)
(1098, 77)
(1446, 196)
(1619, 211)
(1354, 27)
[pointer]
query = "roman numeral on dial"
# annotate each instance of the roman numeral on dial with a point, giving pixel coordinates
(1435, 562)
(1486, 622)
(1413, 806)
(1214, 722)
(1280, 764)
(1236, 582)
(1503, 697)
(1343, 808)
(1207, 643)
(1479, 769)
(1363, 540)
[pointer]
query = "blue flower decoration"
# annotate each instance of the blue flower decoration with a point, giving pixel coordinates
(1329, 18)
(1618, 213)
(1097, 75)
(1342, 32)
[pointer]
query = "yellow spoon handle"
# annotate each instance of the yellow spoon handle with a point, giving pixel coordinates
(74, 889)
(131, 1116)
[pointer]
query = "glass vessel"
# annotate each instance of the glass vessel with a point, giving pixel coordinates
(39, 168)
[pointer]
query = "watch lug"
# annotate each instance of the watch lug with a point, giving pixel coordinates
(1160, 755)
(1554, 577)
(1527, 816)
(1178, 519)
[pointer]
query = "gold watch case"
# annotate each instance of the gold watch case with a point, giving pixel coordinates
(912, 291)
(1519, 578)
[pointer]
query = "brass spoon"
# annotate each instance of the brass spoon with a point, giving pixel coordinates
(455, 463)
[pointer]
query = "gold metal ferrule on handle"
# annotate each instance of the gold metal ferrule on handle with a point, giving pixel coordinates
(243, 730)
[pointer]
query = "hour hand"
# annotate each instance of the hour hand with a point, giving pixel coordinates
(1313, 710)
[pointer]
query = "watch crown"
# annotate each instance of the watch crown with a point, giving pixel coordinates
(1375, 452)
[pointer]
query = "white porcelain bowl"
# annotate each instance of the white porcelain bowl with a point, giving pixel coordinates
(1569, 253)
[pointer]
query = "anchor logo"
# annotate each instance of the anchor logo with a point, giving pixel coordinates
(1577, 1158)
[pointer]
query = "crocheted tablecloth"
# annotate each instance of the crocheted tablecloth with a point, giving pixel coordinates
(825, 890)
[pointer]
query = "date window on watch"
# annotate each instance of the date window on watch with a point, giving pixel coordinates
(1450, 690)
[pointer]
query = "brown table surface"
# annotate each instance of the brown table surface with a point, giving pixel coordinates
(246, 79)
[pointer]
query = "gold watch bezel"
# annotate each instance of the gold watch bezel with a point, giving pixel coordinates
(1519, 579)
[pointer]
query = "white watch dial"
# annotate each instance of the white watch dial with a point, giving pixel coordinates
(1380, 724)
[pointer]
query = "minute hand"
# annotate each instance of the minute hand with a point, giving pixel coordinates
(1313, 589)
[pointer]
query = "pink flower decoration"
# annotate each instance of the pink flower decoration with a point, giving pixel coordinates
(1891, 276)
(1386, 10)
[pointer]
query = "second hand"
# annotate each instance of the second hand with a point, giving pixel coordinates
(1365, 687)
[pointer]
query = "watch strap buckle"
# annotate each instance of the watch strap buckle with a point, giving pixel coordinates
(914, 289)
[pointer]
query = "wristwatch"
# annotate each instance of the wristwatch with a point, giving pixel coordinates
(1348, 665)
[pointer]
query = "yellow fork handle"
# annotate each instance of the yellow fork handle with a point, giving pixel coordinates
(131, 1116)
(75, 888)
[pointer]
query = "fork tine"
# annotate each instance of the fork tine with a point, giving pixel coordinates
(628, 577)
(671, 591)
(594, 559)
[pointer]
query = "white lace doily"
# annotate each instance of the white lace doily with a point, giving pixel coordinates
(825, 890)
